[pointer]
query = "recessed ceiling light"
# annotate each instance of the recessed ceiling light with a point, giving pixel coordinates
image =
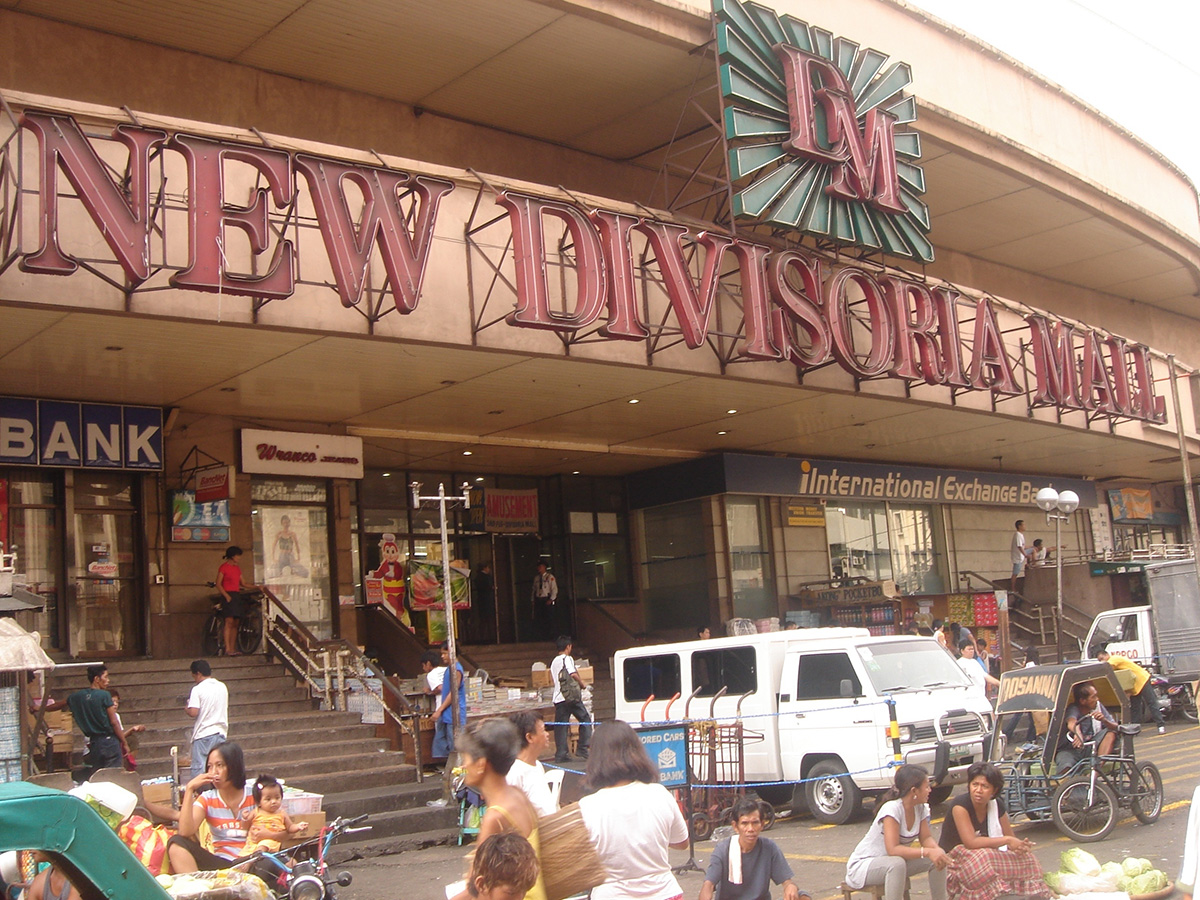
(113, 348)
(730, 412)
(466, 453)
(449, 382)
(576, 472)
(386, 475)
(635, 400)
(722, 432)
(480, 478)
(495, 412)
(227, 390)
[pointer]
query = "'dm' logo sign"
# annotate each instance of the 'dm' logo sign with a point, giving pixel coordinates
(812, 123)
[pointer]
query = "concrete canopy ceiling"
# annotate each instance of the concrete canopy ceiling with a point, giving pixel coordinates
(517, 414)
(614, 85)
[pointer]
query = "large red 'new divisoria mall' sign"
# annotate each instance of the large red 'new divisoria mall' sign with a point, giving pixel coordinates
(796, 306)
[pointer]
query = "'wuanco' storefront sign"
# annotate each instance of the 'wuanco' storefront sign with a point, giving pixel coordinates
(814, 161)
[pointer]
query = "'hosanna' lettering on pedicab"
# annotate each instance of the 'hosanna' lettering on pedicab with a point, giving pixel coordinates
(795, 305)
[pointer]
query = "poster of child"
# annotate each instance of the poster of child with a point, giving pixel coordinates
(286, 538)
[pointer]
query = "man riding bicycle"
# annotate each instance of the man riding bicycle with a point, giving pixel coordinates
(1088, 722)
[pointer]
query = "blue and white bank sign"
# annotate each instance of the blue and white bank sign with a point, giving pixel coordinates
(80, 435)
(667, 747)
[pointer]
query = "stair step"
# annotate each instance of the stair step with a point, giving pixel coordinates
(376, 800)
(405, 822)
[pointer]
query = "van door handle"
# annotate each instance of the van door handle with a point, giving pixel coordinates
(862, 721)
(799, 715)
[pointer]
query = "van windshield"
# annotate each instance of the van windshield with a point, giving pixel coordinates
(910, 666)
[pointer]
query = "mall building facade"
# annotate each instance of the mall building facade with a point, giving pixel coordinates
(706, 307)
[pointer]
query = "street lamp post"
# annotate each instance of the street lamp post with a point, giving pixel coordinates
(1048, 500)
(442, 499)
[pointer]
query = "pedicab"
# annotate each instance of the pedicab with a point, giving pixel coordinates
(1084, 798)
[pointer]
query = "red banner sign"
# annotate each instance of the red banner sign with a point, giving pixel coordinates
(510, 512)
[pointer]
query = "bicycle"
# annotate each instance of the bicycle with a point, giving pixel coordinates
(250, 628)
(1085, 804)
(292, 877)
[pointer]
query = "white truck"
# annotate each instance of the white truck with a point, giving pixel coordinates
(1162, 635)
(814, 704)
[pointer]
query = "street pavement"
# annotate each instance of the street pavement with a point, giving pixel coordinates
(817, 853)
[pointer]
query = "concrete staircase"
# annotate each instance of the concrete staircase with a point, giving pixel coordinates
(515, 660)
(284, 734)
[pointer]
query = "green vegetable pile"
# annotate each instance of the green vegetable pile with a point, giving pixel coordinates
(1082, 873)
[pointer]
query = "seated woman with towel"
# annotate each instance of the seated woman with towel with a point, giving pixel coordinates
(886, 854)
(986, 858)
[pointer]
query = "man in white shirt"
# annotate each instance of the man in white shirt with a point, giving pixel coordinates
(527, 771)
(545, 602)
(969, 663)
(1016, 551)
(565, 707)
(208, 704)
(431, 666)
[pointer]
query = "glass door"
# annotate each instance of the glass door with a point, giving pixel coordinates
(106, 613)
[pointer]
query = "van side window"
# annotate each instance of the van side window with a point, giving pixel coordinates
(657, 675)
(821, 676)
(732, 668)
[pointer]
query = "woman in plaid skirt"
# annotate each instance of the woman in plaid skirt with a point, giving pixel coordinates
(987, 859)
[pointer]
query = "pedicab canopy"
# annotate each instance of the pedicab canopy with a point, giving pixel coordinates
(1047, 690)
(77, 839)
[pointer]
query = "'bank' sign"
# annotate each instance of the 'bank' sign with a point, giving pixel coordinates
(80, 435)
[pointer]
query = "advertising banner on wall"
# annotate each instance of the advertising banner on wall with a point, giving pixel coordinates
(510, 512)
(425, 579)
(300, 454)
(1131, 505)
(285, 545)
(192, 522)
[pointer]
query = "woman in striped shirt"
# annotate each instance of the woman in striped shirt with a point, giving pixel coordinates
(219, 797)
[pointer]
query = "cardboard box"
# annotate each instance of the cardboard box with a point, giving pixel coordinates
(301, 804)
(587, 673)
(316, 821)
(541, 678)
(158, 792)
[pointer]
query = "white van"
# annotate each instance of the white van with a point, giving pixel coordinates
(818, 699)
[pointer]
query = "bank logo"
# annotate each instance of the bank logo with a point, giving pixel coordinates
(811, 121)
(667, 759)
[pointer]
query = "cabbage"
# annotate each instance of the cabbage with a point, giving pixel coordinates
(1148, 882)
(1078, 861)
(1113, 870)
(1052, 881)
(1070, 883)
(1135, 866)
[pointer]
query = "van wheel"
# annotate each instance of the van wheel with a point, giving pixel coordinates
(702, 826)
(832, 796)
(940, 794)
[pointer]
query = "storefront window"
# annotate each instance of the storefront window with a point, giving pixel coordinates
(106, 615)
(31, 524)
(674, 571)
(291, 548)
(879, 541)
(858, 542)
(915, 552)
(749, 556)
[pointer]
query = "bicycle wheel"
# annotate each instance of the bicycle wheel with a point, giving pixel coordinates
(212, 635)
(1148, 793)
(1084, 811)
(249, 634)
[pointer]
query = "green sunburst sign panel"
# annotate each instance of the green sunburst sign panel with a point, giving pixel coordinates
(812, 124)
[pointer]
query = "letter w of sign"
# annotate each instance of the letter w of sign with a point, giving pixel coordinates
(382, 221)
(863, 163)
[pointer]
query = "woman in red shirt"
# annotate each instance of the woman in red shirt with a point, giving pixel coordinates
(231, 584)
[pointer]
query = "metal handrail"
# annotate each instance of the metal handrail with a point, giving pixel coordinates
(337, 661)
